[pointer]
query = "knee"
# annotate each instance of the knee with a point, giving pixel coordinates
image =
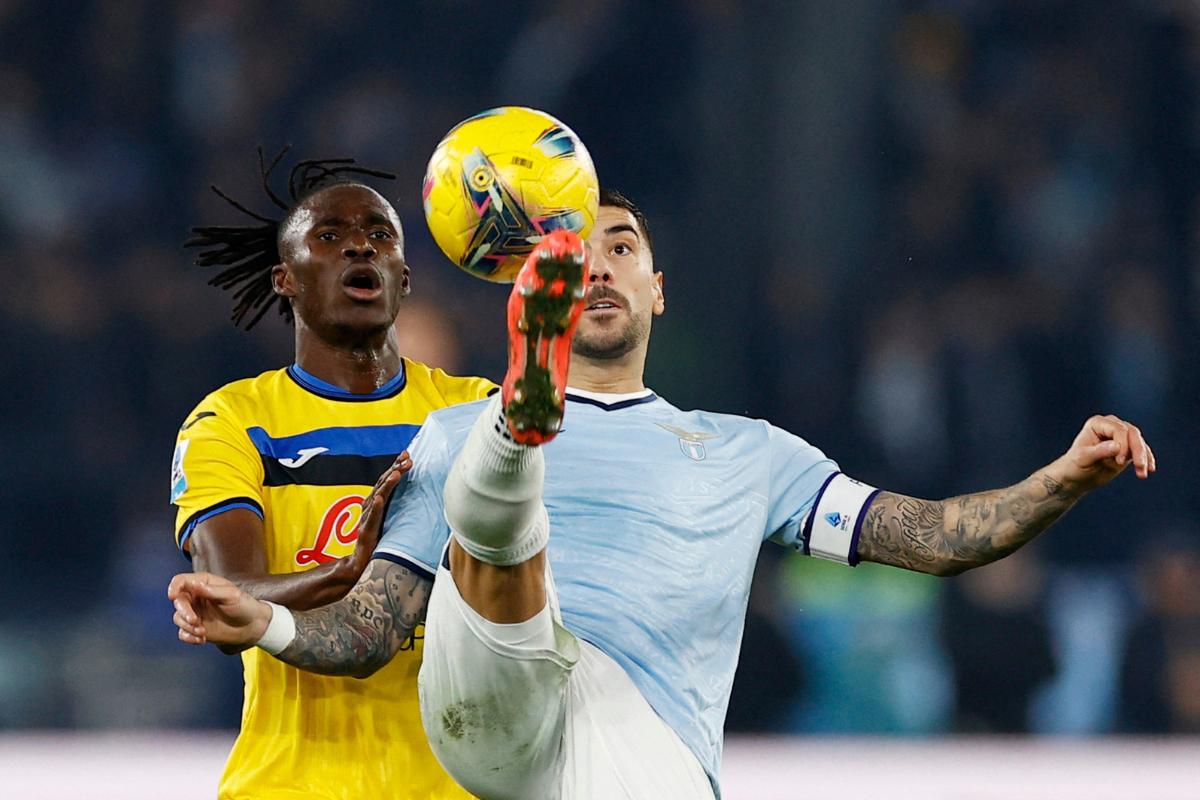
(490, 513)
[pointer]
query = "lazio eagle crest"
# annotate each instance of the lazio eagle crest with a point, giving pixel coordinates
(690, 442)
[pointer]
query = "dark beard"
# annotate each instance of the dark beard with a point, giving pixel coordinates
(630, 337)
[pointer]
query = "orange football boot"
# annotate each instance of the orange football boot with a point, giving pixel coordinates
(543, 312)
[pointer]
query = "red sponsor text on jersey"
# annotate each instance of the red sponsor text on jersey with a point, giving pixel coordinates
(335, 523)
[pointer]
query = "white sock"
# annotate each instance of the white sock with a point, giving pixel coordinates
(493, 494)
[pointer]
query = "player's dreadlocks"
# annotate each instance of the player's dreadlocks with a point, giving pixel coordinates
(250, 251)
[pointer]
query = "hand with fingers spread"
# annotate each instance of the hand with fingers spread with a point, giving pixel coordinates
(1101, 452)
(209, 608)
(370, 524)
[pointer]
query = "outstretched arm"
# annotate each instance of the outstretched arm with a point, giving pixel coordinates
(946, 537)
(354, 636)
(231, 544)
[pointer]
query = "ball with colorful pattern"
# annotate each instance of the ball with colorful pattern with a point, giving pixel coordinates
(501, 180)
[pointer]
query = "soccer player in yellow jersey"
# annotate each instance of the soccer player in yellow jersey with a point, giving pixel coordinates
(271, 476)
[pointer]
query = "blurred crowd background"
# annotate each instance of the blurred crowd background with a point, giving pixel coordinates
(929, 236)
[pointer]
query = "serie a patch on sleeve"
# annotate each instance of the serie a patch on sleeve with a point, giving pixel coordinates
(178, 475)
(836, 519)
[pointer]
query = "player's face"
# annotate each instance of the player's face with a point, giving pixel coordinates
(623, 290)
(344, 267)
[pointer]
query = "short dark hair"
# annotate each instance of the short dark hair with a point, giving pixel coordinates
(250, 252)
(613, 198)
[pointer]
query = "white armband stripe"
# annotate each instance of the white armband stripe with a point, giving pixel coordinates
(835, 521)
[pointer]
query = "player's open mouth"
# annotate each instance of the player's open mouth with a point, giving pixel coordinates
(603, 300)
(362, 282)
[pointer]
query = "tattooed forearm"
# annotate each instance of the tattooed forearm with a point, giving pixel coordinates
(946, 537)
(361, 632)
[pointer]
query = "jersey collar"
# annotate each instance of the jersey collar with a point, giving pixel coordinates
(311, 383)
(611, 401)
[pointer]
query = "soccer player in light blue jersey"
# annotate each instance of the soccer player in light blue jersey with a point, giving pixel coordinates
(591, 582)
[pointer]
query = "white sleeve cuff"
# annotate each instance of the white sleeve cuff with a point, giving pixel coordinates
(835, 521)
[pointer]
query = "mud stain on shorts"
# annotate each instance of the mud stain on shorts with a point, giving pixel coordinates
(467, 718)
(455, 718)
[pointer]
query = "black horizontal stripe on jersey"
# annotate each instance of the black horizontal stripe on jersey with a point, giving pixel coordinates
(327, 470)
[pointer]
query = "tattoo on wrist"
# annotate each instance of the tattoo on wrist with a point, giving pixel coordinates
(1057, 489)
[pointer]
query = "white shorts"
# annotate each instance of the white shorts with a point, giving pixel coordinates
(551, 718)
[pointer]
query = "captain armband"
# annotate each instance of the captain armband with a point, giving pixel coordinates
(832, 528)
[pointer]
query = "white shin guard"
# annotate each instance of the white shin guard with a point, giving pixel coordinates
(493, 494)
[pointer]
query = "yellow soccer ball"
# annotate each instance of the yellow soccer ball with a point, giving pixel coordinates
(501, 180)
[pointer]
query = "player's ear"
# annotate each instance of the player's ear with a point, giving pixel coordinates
(406, 280)
(660, 300)
(281, 280)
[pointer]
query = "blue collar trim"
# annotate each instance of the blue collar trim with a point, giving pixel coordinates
(312, 383)
(636, 401)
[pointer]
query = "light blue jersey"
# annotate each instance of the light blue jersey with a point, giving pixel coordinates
(656, 519)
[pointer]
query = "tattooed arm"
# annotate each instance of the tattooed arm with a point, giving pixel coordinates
(354, 636)
(361, 632)
(946, 537)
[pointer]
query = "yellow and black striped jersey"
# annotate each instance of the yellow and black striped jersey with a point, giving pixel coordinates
(302, 454)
